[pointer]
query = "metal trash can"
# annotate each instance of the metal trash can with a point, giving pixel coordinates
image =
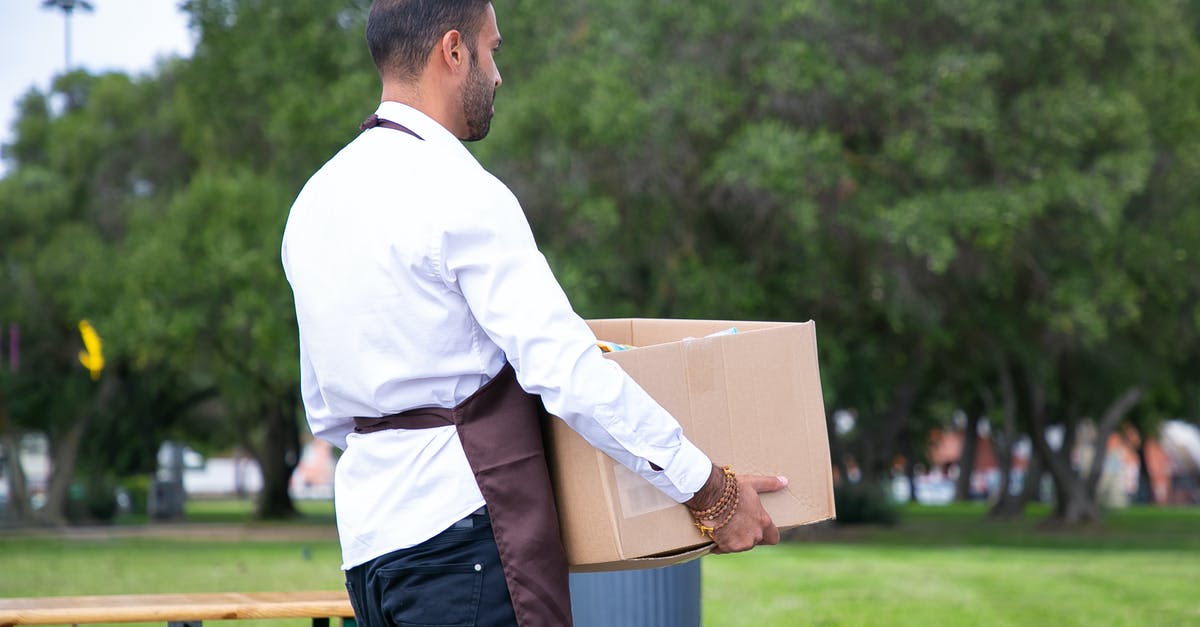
(165, 500)
(658, 597)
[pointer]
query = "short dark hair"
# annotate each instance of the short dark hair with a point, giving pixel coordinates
(401, 33)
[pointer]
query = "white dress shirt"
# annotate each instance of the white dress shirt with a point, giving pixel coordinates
(416, 277)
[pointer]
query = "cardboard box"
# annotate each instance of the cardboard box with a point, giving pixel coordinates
(751, 399)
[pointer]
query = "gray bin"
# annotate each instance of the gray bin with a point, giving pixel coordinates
(165, 500)
(659, 597)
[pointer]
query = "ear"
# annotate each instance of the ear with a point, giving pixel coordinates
(453, 50)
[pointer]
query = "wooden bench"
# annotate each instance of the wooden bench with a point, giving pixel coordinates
(178, 610)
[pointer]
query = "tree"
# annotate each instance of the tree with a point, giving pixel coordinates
(953, 184)
(228, 321)
(986, 206)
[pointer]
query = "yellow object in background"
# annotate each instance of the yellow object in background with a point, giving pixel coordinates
(92, 356)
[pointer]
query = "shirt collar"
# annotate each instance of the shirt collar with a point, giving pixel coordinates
(423, 125)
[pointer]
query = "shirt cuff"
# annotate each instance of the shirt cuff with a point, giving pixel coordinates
(687, 472)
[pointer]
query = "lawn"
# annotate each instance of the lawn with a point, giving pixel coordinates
(939, 566)
(951, 566)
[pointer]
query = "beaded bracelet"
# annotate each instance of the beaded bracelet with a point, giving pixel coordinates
(723, 501)
(723, 510)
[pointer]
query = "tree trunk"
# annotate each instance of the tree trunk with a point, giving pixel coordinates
(1076, 506)
(966, 461)
(836, 451)
(1031, 489)
(1064, 493)
(1073, 504)
(1006, 505)
(239, 480)
(1076, 501)
(1145, 489)
(280, 452)
(1112, 417)
(65, 453)
(19, 510)
(1075, 495)
(878, 467)
(1011, 505)
(910, 467)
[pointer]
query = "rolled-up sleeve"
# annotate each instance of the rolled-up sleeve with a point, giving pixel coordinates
(488, 254)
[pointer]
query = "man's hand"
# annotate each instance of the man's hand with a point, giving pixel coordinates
(750, 524)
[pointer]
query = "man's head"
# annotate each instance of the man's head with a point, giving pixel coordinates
(440, 53)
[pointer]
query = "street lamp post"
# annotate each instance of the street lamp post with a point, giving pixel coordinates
(68, 7)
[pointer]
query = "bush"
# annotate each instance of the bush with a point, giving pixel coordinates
(138, 490)
(863, 503)
(91, 502)
(101, 500)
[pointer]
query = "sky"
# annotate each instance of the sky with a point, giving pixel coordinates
(119, 35)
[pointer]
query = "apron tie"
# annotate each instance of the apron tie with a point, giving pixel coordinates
(374, 120)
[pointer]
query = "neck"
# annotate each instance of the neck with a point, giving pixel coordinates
(424, 100)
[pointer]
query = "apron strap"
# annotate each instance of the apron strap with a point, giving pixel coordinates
(420, 418)
(375, 120)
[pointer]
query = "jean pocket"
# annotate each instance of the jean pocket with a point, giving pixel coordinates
(431, 595)
(359, 617)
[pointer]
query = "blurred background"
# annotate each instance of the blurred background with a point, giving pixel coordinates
(990, 209)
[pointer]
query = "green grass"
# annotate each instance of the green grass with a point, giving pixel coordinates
(951, 566)
(232, 553)
(869, 585)
(43, 566)
(241, 510)
(939, 566)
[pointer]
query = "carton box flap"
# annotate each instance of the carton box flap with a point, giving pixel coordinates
(639, 563)
(643, 332)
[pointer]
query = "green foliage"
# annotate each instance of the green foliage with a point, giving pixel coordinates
(953, 190)
(154, 207)
(92, 501)
(137, 488)
(864, 503)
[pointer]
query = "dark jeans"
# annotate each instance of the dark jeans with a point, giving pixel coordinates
(451, 580)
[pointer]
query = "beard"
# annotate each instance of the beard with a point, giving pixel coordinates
(477, 98)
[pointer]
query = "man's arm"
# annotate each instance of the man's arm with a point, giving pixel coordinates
(488, 254)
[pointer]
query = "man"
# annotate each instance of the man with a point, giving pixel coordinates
(427, 319)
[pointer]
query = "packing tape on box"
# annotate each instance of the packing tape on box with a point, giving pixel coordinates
(638, 496)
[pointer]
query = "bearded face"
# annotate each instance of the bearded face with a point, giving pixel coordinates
(478, 94)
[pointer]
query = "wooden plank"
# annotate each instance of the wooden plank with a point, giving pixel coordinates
(132, 608)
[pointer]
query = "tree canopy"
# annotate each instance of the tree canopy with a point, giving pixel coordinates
(986, 206)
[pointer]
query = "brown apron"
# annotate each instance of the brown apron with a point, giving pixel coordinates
(500, 430)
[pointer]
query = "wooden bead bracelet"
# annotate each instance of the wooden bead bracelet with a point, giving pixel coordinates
(723, 510)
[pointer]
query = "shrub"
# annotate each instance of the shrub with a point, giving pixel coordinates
(864, 503)
(93, 501)
(138, 490)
